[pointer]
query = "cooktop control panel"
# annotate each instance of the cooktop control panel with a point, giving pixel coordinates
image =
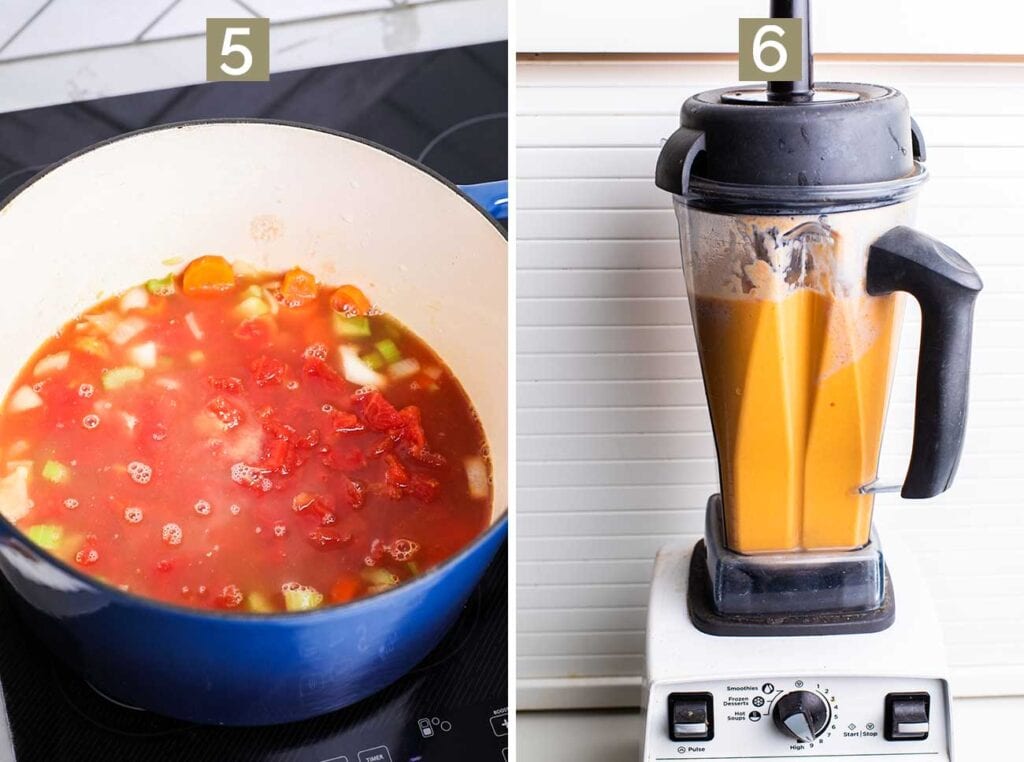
(794, 717)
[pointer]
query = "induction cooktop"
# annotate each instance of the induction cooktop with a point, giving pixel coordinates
(447, 109)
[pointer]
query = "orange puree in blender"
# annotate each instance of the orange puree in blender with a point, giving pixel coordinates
(797, 388)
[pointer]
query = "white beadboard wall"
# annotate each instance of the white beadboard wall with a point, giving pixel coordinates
(614, 445)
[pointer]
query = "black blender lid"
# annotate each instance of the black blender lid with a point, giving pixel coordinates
(793, 143)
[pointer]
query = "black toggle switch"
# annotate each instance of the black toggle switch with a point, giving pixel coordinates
(691, 717)
(906, 716)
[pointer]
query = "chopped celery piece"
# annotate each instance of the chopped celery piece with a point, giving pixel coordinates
(93, 346)
(258, 602)
(377, 576)
(351, 327)
(253, 290)
(373, 360)
(252, 307)
(300, 597)
(116, 378)
(56, 472)
(196, 356)
(54, 363)
(161, 286)
(388, 350)
(46, 535)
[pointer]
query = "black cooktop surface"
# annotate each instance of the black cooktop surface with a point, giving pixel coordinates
(446, 108)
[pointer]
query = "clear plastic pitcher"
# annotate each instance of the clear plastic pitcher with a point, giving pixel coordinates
(793, 222)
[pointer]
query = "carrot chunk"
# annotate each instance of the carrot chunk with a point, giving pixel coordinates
(209, 274)
(345, 589)
(298, 287)
(350, 301)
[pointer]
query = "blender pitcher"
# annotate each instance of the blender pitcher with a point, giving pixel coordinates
(793, 203)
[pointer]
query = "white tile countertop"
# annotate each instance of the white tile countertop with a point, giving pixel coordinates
(613, 735)
(56, 51)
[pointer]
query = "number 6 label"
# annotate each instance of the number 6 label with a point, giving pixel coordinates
(771, 49)
(238, 50)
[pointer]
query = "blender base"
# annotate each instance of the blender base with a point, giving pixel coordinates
(821, 592)
(709, 620)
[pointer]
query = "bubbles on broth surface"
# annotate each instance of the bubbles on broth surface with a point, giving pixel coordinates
(91, 421)
(86, 390)
(171, 534)
(402, 549)
(315, 352)
(242, 473)
(133, 514)
(140, 472)
(235, 509)
(280, 530)
(87, 556)
(203, 507)
(70, 503)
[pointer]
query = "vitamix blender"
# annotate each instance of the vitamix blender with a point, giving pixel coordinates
(779, 635)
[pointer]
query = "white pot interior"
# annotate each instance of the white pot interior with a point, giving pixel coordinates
(274, 196)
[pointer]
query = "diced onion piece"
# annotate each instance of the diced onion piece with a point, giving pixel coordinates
(170, 384)
(24, 399)
(300, 597)
(404, 368)
(116, 378)
(379, 579)
(433, 372)
(271, 300)
(251, 307)
(127, 330)
(56, 472)
(130, 421)
(476, 475)
(258, 603)
(58, 361)
(104, 322)
(244, 269)
(135, 299)
(14, 500)
(358, 372)
(144, 355)
(46, 536)
(193, 326)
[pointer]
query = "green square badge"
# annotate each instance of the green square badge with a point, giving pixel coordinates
(771, 50)
(238, 50)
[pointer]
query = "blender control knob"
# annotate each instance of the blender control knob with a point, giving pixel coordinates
(803, 715)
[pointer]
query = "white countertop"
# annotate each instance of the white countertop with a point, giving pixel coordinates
(612, 735)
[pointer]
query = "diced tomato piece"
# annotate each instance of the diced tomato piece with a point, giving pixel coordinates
(275, 453)
(230, 597)
(387, 444)
(379, 414)
(412, 428)
(318, 368)
(208, 275)
(424, 488)
(345, 422)
(345, 589)
(429, 458)
(350, 301)
(311, 440)
(329, 537)
(225, 412)
(356, 494)
(317, 505)
(268, 370)
(257, 330)
(349, 459)
(395, 474)
(298, 288)
(228, 384)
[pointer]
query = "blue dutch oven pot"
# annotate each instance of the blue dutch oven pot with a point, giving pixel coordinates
(274, 195)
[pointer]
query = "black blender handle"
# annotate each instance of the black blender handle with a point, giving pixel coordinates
(945, 286)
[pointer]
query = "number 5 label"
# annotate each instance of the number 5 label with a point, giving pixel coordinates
(238, 50)
(771, 49)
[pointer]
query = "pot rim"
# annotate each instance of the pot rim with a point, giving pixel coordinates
(497, 526)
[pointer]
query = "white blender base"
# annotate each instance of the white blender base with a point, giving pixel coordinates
(746, 675)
